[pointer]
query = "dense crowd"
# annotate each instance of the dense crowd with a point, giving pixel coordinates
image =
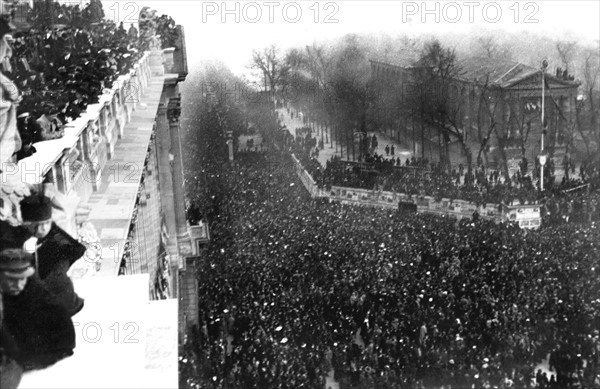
(436, 181)
(57, 62)
(64, 61)
(574, 199)
(292, 287)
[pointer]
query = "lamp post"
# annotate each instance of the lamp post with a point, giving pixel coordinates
(542, 156)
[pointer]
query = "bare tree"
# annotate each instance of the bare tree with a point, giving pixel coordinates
(354, 89)
(489, 46)
(486, 117)
(591, 80)
(566, 52)
(273, 67)
(439, 100)
(318, 63)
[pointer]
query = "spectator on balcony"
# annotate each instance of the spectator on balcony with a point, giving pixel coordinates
(132, 33)
(10, 371)
(40, 330)
(56, 250)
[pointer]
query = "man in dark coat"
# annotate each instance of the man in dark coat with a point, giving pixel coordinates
(38, 331)
(56, 250)
(10, 371)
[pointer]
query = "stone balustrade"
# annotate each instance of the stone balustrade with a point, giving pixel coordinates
(75, 161)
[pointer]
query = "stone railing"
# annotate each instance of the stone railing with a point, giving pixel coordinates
(75, 161)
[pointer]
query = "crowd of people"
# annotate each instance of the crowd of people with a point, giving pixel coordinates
(64, 60)
(37, 296)
(57, 61)
(292, 288)
(436, 181)
(574, 199)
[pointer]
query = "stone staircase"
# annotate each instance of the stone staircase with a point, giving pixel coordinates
(124, 340)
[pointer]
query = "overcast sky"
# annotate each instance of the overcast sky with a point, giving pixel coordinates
(213, 33)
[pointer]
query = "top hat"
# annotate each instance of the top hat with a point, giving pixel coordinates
(36, 209)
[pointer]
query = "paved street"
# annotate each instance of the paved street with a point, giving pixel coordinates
(330, 149)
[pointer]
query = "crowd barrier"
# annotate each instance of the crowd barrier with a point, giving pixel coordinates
(307, 180)
(527, 216)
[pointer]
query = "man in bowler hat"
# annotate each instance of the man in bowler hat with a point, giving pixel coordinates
(56, 250)
(36, 331)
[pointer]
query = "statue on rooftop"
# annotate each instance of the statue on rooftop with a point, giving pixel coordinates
(10, 141)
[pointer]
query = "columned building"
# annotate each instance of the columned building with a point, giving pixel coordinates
(498, 105)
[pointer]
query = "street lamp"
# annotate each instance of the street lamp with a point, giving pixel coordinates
(542, 156)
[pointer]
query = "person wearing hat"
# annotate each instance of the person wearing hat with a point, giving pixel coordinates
(56, 250)
(15, 269)
(10, 371)
(37, 330)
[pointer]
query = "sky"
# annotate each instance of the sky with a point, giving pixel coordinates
(230, 30)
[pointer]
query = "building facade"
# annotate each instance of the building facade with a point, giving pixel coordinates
(496, 105)
(116, 174)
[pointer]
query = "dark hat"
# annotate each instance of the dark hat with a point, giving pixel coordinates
(16, 262)
(36, 209)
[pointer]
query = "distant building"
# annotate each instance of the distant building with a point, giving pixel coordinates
(506, 94)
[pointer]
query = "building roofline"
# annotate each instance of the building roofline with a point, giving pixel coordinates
(392, 65)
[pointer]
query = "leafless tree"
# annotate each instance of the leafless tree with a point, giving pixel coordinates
(491, 48)
(488, 45)
(439, 98)
(486, 116)
(566, 52)
(354, 89)
(591, 80)
(319, 63)
(273, 67)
